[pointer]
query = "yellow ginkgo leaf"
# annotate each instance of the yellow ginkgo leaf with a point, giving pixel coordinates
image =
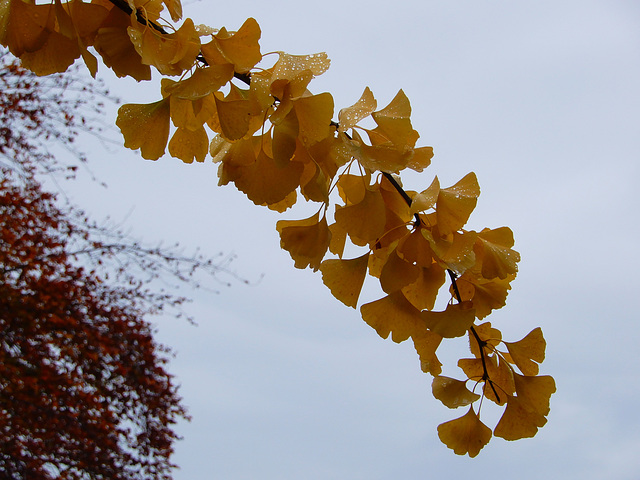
(87, 19)
(338, 239)
(452, 393)
(260, 88)
(399, 107)
(420, 159)
(316, 186)
(306, 240)
(289, 66)
(526, 352)
(384, 158)
(452, 322)
(414, 248)
(455, 204)
(397, 273)
(170, 53)
(263, 181)
(241, 48)
(394, 123)
(345, 278)
(489, 296)
(64, 24)
(473, 368)
(182, 113)
(285, 134)
(175, 9)
(25, 27)
(145, 126)
(364, 221)
(189, 145)
(455, 251)
(535, 392)
(486, 295)
(493, 251)
(206, 111)
(285, 204)
(56, 55)
(219, 148)
(378, 258)
(330, 154)
(234, 117)
(426, 343)
(113, 43)
(287, 90)
(518, 421)
(90, 61)
(44, 38)
(203, 82)
(466, 434)
(393, 314)
(423, 292)
(426, 199)
(465, 289)
(352, 188)
(314, 114)
(502, 377)
(349, 117)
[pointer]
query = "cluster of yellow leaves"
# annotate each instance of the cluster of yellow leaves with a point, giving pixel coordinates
(274, 140)
(525, 394)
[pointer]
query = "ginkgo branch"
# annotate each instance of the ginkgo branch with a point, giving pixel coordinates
(410, 248)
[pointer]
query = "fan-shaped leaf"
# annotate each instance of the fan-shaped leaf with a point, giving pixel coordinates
(306, 240)
(145, 126)
(526, 352)
(349, 117)
(466, 434)
(451, 323)
(453, 393)
(345, 278)
(393, 314)
(455, 204)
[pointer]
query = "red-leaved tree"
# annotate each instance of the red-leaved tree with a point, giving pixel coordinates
(84, 390)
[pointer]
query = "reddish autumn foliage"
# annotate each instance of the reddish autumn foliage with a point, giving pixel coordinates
(83, 389)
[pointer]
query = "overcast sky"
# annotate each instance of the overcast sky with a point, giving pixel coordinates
(540, 99)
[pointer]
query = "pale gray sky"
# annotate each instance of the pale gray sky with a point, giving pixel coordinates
(541, 100)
